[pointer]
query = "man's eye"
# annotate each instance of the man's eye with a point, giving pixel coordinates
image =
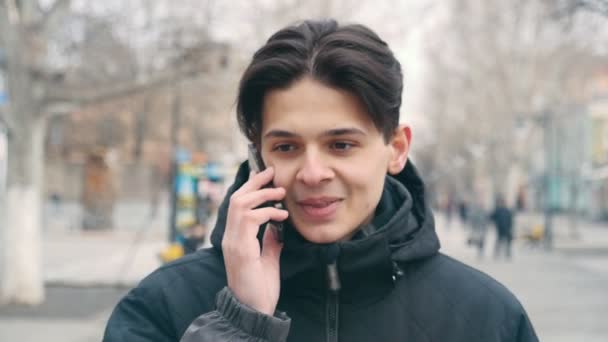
(342, 145)
(284, 148)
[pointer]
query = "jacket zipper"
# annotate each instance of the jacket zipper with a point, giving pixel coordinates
(329, 256)
(332, 316)
(333, 303)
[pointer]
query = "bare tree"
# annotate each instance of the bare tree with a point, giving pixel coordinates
(24, 36)
(501, 63)
(52, 72)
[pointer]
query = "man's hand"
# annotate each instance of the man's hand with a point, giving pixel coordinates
(253, 274)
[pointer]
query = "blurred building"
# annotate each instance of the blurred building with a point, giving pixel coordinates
(564, 154)
(3, 157)
(3, 129)
(596, 173)
(567, 161)
(135, 129)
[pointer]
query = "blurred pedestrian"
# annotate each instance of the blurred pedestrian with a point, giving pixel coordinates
(520, 202)
(463, 211)
(449, 209)
(98, 192)
(478, 220)
(503, 220)
(56, 202)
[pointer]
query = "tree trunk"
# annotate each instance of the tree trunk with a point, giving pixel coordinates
(140, 128)
(22, 277)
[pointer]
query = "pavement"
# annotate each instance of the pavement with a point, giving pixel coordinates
(564, 291)
(119, 257)
(69, 314)
(87, 273)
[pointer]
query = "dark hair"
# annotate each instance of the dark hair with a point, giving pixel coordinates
(350, 57)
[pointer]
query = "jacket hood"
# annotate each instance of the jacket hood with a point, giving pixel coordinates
(403, 230)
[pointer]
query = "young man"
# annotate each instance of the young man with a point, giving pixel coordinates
(359, 257)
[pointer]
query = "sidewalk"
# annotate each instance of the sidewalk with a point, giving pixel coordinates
(564, 294)
(86, 274)
(68, 315)
(88, 259)
(120, 257)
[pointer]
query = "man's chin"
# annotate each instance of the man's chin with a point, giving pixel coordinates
(322, 234)
(322, 240)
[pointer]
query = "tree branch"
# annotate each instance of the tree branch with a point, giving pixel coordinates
(12, 11)
(47, 17)
(571, 7)
(82, 97)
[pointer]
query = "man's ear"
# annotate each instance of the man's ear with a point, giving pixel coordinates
(400, 148)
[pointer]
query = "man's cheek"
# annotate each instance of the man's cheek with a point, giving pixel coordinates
(280, 180)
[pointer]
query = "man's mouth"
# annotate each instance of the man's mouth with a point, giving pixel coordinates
(320, 208)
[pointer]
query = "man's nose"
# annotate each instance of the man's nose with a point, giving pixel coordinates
(314, 169)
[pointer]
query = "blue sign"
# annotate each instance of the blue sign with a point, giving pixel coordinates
(214, 172)
(3, 158)
(182, 155)
(3, 95)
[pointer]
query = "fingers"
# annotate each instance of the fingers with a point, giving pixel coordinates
(256, 181)
(244, 214)
(263, 215)
(248, 224)
(256, 198)
(271, 247)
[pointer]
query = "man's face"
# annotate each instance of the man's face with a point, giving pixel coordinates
(329, 156)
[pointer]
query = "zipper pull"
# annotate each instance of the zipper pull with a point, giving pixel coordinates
(397, 272)
(330, 256)
(333, 277)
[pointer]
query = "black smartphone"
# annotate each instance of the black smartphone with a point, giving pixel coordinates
(256, 164)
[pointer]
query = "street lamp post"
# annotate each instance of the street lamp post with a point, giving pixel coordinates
(174, 133)
(548, 149)
(175, 118)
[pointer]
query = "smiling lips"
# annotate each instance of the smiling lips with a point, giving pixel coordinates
(320, 208)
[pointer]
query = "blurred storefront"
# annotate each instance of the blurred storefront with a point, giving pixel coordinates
(597, 175)
(3, 158)
(3, 134)
(595, 172)
(196, 193)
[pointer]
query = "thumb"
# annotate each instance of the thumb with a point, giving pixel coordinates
(271, 247)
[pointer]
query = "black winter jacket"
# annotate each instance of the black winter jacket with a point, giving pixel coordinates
(395, 286)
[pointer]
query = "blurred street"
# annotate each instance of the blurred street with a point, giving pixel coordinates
(120, 257)
(564, 291)
(86, 273)
(118, 135)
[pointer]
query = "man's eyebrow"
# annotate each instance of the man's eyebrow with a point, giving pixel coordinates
(344, 131)
(279, 133)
